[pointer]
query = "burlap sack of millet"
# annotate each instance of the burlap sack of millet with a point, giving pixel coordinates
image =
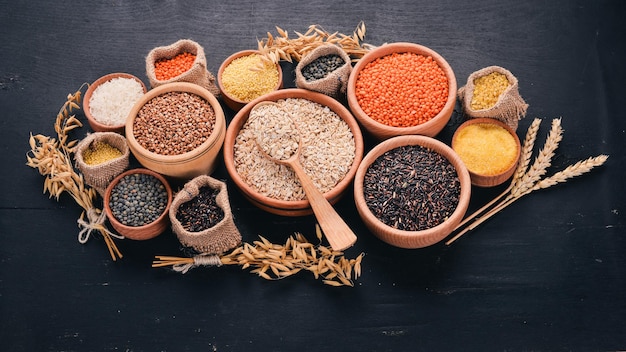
(215, 240)
(198, 73)
(336, 82)
(510, 107)
(100, 176)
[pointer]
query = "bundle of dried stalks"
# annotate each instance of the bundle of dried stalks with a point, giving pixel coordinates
(52, 158)
(281, 47)
(274, 261)
(527, 179)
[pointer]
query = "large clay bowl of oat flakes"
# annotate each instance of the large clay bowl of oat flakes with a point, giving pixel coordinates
(331, 151)
(177, 129)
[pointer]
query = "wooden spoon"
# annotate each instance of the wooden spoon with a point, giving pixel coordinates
(277, 137)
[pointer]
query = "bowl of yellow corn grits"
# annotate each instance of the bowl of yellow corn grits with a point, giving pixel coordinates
(489, 149)
(245, 76)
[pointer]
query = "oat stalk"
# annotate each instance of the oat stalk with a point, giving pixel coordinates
(52, 158)
(275, 261)
(273, 49)
(528, 178)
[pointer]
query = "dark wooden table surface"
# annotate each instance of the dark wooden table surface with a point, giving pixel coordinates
(548, 273)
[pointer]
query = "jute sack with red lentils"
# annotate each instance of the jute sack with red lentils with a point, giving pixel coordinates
(335, 83)
(215, 240)
(198, 73)
(100, 175)
(509, 108)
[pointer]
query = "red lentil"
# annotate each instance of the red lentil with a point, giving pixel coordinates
(402, 89)
(165, 69)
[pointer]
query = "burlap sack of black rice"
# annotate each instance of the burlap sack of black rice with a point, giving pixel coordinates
(510, 106)
(207, 199)
(334, 80)
(100, 175)
(198, 73)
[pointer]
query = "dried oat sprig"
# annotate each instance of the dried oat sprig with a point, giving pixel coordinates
(281, 47)
(527, 180)
(52, 158)
(274, 261)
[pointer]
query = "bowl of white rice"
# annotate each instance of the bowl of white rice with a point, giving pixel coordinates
(109, 100)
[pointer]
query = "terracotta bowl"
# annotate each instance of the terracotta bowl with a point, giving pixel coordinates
(482, 180)
(382, 131)
(232, 102)
(411, 239)
(200, 161)
(98, 126)
(282, 207)
(147, 231)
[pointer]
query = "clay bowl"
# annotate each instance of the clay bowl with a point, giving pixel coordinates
(232, 102)
(200, 161)
(411, 239)
(491, 179)
(382, 131)
(93, 122)
(147, 231)
(283, 207)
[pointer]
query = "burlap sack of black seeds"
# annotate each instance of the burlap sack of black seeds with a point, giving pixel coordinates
(100, 175)
(510, 107)
(198, 73)
(219, 237)
(333, 84)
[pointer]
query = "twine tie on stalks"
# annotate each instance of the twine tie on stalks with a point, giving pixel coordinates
(95, 222)
(199, 260)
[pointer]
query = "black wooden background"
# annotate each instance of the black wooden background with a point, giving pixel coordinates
(548, 273)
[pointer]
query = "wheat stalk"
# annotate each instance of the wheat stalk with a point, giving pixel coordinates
(526, 180)
(274, 261)
(281, 47)
(52, 158)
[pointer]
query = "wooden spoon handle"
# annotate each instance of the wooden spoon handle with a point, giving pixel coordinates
(337, 232)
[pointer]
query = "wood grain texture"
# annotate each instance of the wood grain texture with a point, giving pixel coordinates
(548, 273)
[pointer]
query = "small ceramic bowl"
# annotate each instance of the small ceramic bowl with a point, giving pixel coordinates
(147, 231)
(411, 239)
(200, 161)
(231, 101)
(284, 207)
(505, 171)
(382, 131)
(93, 122)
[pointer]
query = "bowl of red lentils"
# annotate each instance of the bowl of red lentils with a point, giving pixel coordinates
(490, 149)
(331, 150)
(108, 100)
(402, 89)
(412, 191)
(177, 129)
(245, 76)
(137, 204)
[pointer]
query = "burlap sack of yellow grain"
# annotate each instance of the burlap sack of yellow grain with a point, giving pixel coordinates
(334, 83)
(493, 92)
(217, 239)
(100, 157)
(198, 73)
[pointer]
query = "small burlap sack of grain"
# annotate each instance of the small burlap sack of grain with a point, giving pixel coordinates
(222, 236)
(100, 157)
(335, 83)
(487, 94)
(198, 73)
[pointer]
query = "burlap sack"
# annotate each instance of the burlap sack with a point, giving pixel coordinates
(510, 107)
(218, 239)
(198, 73)
(335, 83)
(99, 176)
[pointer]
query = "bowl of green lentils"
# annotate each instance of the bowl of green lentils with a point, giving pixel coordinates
(137, 203)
